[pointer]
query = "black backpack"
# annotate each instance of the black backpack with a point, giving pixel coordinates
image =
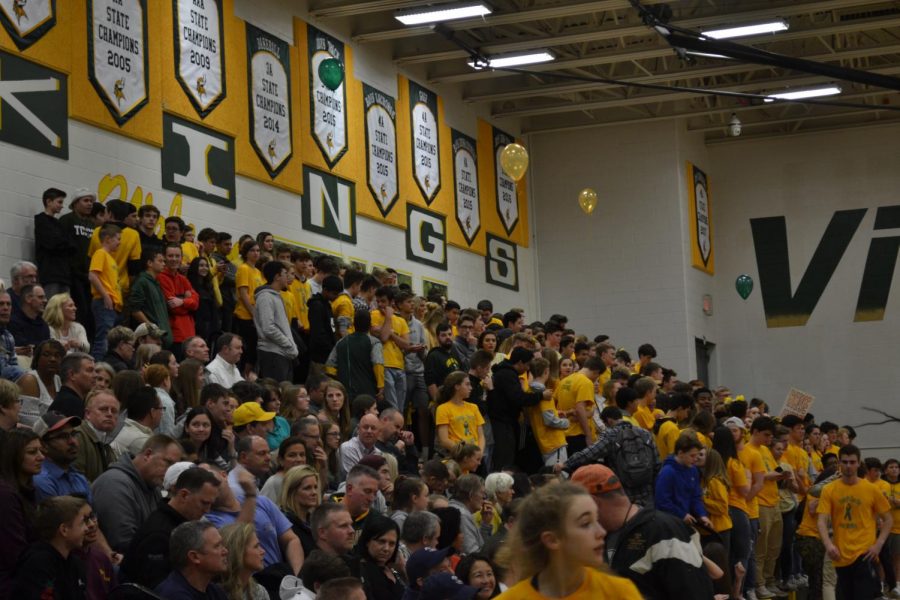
(634, 457)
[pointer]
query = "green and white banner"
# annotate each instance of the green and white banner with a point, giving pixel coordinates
(199, 52)
(381, 148)
(329, 107)
(269, 77)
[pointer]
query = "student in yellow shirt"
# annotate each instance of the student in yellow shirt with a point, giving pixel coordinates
(128, 253)
(548, 425)
(667, 430)
(646, 353)
(575, 396)
(105, 291)
(738, 489)
(246, 280)
(892, 478)
(300, 287)
(853, 505)
(393, 331)
(556, 549)
(715, 485)
(646, 390)
(342, 307)
(768, 543)
(814, 442)
(458, 422)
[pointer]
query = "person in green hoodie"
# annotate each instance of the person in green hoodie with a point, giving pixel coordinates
(146, 303)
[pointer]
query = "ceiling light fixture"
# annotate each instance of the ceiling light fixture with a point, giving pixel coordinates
(745, 30)
(443, 12)
(830, 90)
(513, 60)
(707, 55)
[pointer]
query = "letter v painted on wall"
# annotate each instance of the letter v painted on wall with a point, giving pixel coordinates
(784, 309)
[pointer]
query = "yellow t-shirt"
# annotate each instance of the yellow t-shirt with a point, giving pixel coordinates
(250, 278)
(596, 584)
(107, 270)
(797, 457)
(768, 495)
(129, 249)
(644, 417)
(753, 462)
(548, 438)
(834, 449)
(189, 251)
(894, 492)
(715, 499)
(575, 389)
(342, 306)
(737, 477)
(853, 510)
(704, 440)
(393, 355)
(809, 523)
(462, 421)
(816, 458)
(665, 439)
(302, 293)
(290, 306)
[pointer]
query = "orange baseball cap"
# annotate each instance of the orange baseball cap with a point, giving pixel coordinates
(598, 479)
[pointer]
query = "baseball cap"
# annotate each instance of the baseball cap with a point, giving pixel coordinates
(173, 473)
(53, 421)
(446, 586)
(598, 479)
(422, 560)
(735, 422)
(148, 329)
(81, 193)
(251, 412)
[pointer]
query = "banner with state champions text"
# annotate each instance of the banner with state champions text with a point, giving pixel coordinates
(269, 83)
(200, 52)
(328, 117)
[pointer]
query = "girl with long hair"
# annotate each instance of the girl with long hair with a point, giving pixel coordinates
(410, 495)
(300, 495)
(331, 443)
(208, 318)
(376, 551)
(457, 421)
(245, 557)
(487, 341)
(159, 378)
(189, 383)
(20, 461)
(294, 402)
(291, 453)
(336, 409)
(434, 316)
(556, 549)
(40, 385)
(739, 549)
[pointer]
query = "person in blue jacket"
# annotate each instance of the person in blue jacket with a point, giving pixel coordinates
(678, 485)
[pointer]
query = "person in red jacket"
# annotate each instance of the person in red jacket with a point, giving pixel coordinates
(180, 297)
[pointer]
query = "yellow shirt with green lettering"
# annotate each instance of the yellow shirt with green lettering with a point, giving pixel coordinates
(571, 391)
(853, 510)
(462, 421)
(393, 355)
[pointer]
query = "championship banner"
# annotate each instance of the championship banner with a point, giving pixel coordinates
(426, 145)
(118, 64)
(199, 52)
(329, 113)
(702, 256)
(507, 198)
(268, 65)
(465, 179)
(26, 21)
(381, 148)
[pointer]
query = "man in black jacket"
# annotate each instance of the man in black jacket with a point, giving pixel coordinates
(440, 361)
(321, 320)
(192, 496)
(505, 404)
(79, 227)
(52, 247)
(656, 550)
(77, 373)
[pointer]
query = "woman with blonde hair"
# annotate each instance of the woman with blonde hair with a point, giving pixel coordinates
(556, 549)
(142, 355)
(434, 316)
(245, 557)
(60, 315)
(301, 493)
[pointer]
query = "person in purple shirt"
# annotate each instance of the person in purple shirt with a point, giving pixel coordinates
(60, 444)
(198, 556)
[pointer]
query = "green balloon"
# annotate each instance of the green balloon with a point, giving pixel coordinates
(744, 286)
(331, 73)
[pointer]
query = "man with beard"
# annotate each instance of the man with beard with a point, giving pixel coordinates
(440, 361)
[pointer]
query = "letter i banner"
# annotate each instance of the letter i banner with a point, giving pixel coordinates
(118, 65)
(329, 113)
(199, 53)
(269, 77)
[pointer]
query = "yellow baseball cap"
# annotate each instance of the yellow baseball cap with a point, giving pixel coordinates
(251, 412)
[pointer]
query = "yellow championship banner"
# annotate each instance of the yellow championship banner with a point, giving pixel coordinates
(38, 30)
(700, 211)
(504, 202)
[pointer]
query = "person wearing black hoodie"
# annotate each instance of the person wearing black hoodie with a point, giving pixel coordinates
(505, 404)
(276, 350)
(321, 320)
(52, 247)
(48, 568)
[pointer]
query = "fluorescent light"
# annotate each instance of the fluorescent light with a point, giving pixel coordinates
(745, 30)
(830, 90)
(515, 60)
(443, 12)
(707, 54)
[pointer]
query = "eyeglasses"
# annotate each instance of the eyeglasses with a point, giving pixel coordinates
(69, 435)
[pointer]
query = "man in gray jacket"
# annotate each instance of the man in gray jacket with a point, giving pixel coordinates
(276, 349)
(126, 494)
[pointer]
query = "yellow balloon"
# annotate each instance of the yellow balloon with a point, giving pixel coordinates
(587, 199)
(514, 160)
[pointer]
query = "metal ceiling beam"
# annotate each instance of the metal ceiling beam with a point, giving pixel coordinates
(691, 114)
(361, 7)
(731, 68)
(642, 30)
(671, 96)
(494, 20)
